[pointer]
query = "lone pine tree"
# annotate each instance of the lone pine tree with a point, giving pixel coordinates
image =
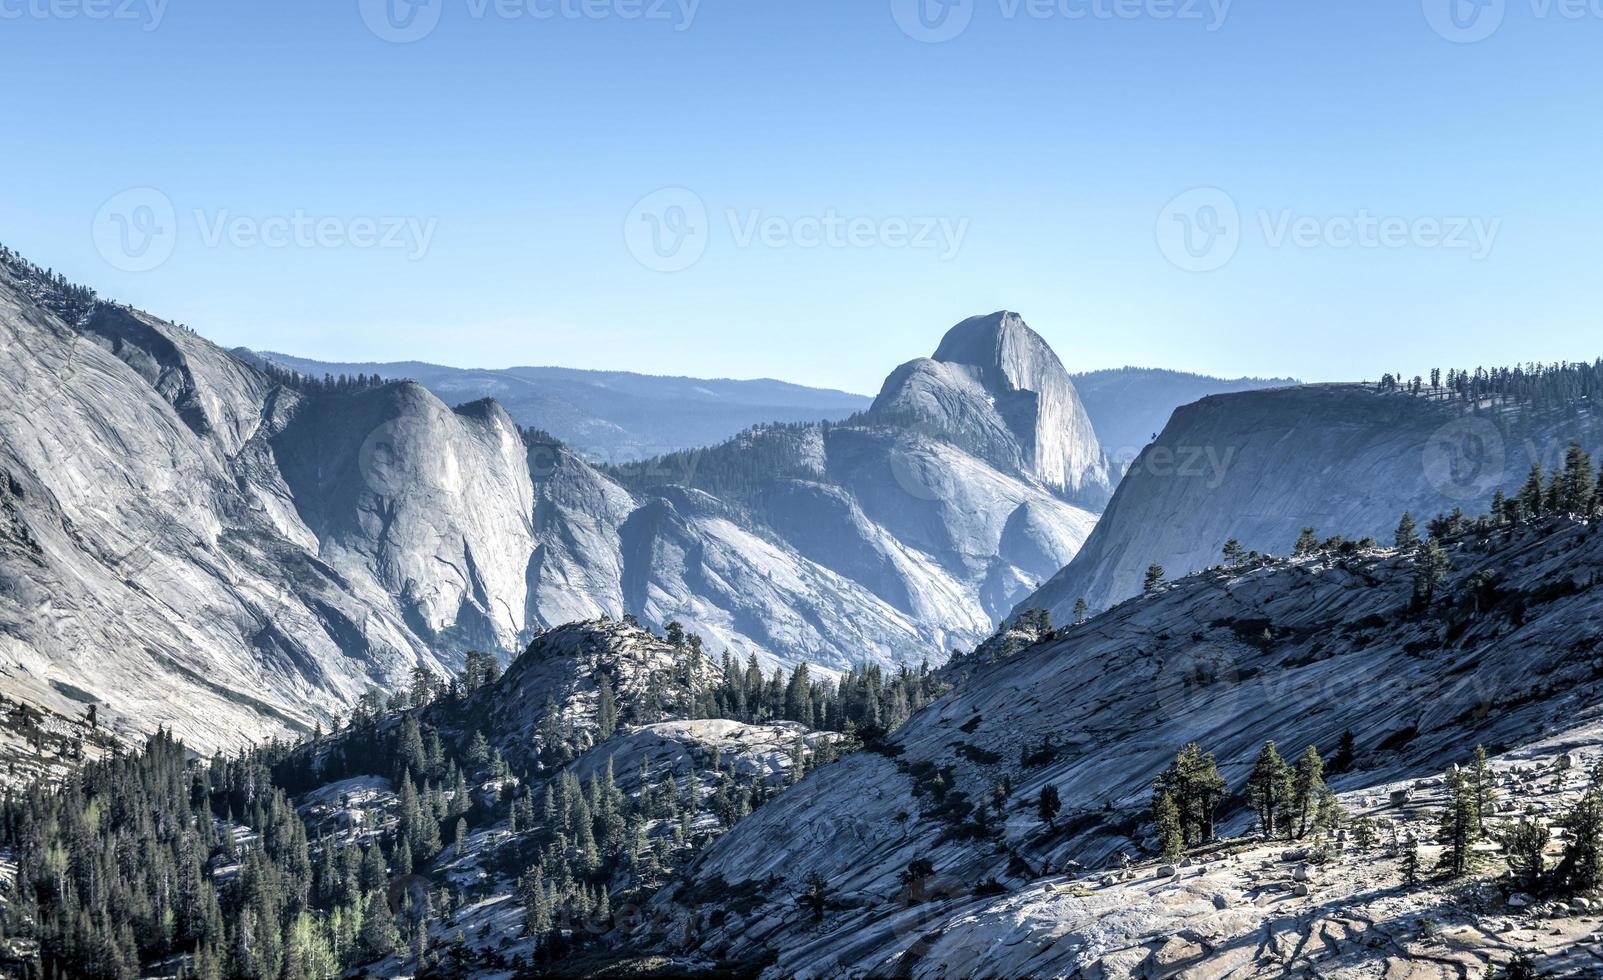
(1269, 789)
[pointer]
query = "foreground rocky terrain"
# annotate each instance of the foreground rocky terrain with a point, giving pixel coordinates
(1296, 651)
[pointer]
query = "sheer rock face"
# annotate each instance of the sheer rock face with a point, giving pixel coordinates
(1296, 651)
(188, 542)
(995, 388)
(432, 504)
(153, 561)
(1259, 466)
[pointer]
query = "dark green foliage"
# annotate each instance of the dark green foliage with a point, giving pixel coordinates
(1581, 870)
(119, 867)
(1307, 542)
(1431, 568)
(1270, 790)
(1166, 823)
(1194, 787)
(1524, 842)
(1049, 805)
(1308, 785)
(1154, 577)
(1410, 863)
(1407, 537)
(1541, 386)
(1345, 755)
(814, 894)
(1459, 827)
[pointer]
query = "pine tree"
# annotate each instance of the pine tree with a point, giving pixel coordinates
(537, 909)
(1166, 820)
(1459, 827)
(1431, 567)
(1410, 862)
(1081, 610)
(1579, 487)
(815, 894)
(1154, 577)
(1364, 837)
(379, 936)
(1049, 805)
(1582, 867)
(1234, 553)
(1525, 843)
(1307, 785)
(1484, 788)
(1533, 499)
(1407, 537)
(1307, 542)
(606, 710)
(1195, 787)
(1270, 789)
(1346, 753)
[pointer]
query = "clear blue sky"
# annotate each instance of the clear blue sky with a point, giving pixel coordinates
(1054, 143)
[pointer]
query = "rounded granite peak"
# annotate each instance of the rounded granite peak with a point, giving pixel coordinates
(996, 388)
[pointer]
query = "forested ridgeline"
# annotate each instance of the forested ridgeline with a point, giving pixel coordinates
(1541, 386)
(283, 861)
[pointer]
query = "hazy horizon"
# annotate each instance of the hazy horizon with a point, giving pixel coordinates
(743, 191)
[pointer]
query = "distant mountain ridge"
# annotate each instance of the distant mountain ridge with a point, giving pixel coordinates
(192, 541)
(1348, 459)
(1130, 405)
(615, 416)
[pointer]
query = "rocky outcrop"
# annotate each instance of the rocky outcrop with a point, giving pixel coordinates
(155, 565)
(996, 389)
(1298, 651)
(1259, 466)
(191, 540)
